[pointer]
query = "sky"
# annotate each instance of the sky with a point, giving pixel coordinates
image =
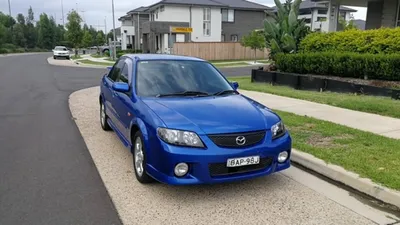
(97, 13)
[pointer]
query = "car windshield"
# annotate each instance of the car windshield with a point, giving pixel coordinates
(177, 77)
(61, 49)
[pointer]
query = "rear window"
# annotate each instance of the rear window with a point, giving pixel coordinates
(61, 49)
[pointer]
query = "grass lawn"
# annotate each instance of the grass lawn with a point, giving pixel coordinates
(87, 61)
(378, 105)
(369, 155)
(76, 57)
(239, 60)
(97, 56)
(220, 65)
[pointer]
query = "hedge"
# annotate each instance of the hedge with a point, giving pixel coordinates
(382, 40)
(346, 64)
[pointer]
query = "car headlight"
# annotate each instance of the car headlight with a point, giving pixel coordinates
(278, 130)
(180, 137)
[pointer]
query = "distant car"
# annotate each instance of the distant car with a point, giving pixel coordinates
(186, 124)
(61, 51)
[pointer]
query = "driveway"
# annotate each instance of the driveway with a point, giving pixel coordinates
(48, 175)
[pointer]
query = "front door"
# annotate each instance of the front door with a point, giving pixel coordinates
(109, 92)
(123, 103)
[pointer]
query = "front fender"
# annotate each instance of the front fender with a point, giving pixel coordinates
(137, 122)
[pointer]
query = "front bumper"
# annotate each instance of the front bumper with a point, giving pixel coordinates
(207, 165)
(61, 54)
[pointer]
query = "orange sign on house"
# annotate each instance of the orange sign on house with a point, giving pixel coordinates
(181, 29)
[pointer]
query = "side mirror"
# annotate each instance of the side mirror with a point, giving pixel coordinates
(120, 87)
(235, 85)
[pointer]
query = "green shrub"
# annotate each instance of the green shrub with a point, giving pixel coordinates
(345, 64)
(9, 46)
(383, 40)
(3, 51)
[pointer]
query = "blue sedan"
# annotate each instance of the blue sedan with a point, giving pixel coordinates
(186, 124)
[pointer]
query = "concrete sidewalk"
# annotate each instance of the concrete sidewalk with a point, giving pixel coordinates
(380, 125)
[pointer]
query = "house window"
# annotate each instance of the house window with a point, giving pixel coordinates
(343, 15)
(321, 19)
(228, 15)
(162, 8)
(308, 20)
(304, 12)
(234, 38)
(398, 16)
(322, 11)
(207, 21)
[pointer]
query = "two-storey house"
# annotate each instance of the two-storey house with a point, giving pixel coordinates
(210, 20)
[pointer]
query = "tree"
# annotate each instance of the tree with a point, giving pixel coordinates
(30, 31)
(99, 39)
(285, 32)
(255, 40)
(87, 39)
(18, 35)
(344, 25)
(45, 32)
(74, 32)
(3, 31)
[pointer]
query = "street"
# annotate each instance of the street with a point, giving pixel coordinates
(49, 175)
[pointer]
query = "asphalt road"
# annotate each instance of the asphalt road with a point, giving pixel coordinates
(47, 174)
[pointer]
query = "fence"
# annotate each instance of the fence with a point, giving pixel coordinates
(218, 51)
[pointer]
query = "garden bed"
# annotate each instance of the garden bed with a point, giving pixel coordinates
(328, 83)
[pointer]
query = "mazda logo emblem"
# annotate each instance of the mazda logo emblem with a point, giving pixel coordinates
(240, 140)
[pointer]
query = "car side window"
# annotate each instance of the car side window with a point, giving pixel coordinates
(116, 70)
(124, 74)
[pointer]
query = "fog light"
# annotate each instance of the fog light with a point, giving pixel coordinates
(282, 157)
(181, 169)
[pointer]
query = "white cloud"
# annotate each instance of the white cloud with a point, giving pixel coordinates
(96, 11)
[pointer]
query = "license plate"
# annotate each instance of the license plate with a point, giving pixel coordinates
(244, 161)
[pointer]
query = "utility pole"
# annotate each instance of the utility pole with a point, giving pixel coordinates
(83, 15)
(105, 27)
(9, 7)
(62, 11)
(115, 36)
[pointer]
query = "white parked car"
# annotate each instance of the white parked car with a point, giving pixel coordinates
(61, 51)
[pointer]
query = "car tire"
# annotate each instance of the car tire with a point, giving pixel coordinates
(68, 57)
(139, 159)
(104, 118)
(54, 57)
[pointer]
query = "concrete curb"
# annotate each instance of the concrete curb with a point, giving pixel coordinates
(72, 63)
(350, 179)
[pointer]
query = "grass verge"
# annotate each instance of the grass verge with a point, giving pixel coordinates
(221, 65)
(97, 56)
(87, 61)
(369, 155)
(76, 57)
(238, 60)
(378, 105)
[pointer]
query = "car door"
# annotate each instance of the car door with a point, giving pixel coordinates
(109, 92)
(123, 102)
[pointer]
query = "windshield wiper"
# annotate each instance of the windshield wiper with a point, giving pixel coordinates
(185, 93)
(225, 92)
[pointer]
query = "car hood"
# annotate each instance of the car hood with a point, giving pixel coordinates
(212, 115)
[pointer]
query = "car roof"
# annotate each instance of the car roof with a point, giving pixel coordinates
(144, 57)
(60, 47)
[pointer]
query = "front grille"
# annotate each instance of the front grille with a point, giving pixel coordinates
(220, 169)
(230, 140)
